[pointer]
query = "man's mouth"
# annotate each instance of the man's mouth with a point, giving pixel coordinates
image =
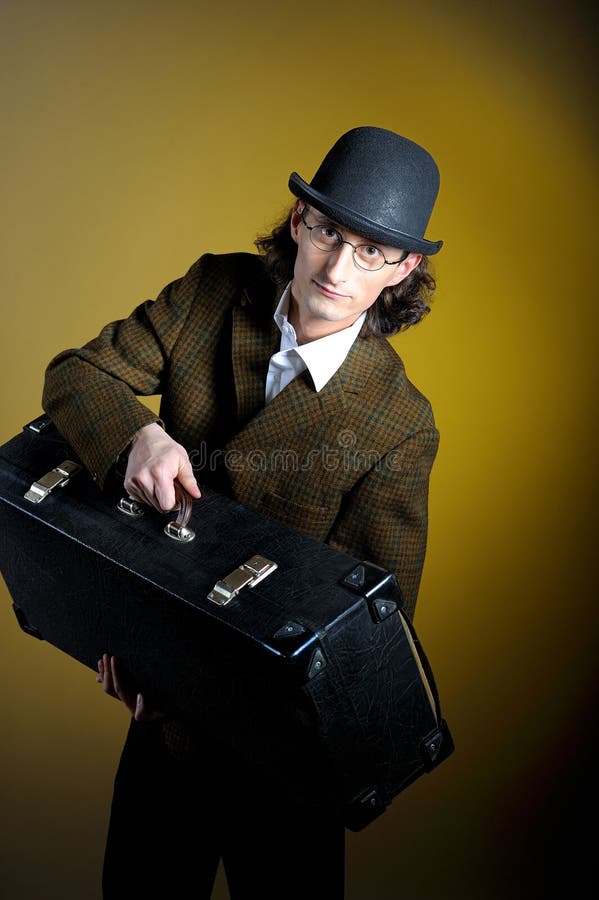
(329, 292)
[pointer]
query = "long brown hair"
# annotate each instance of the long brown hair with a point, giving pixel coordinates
(396, 308)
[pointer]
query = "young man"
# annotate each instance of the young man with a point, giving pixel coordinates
(279, 388)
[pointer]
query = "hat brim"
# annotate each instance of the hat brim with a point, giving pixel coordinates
(360, 224)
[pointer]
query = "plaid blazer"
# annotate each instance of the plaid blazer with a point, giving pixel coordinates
(348, 465)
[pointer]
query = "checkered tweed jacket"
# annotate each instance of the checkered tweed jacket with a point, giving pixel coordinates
(348, 465)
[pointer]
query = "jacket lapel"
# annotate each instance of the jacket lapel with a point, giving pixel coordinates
(255, 337)
(299, 405)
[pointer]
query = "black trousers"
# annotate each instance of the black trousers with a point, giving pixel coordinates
(172, 821)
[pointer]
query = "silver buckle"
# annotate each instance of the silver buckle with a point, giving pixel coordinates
(59, 476)
(249, 574)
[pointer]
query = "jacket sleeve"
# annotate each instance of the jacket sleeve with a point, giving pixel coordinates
(91, 393)
(384, 518)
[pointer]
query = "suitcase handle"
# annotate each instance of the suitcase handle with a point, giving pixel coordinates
(176, 529)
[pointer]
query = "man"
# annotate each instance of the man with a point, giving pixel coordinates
(278, 383)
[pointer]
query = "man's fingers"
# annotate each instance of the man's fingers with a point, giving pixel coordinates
(187, 479)
(161, 494)
(155, 462)
(190, 485)
(164, 493)
(108, 675)
(112, 664)
(143, 713)
(104, 676)
(118, 688)
(138, 491)
(156, 491)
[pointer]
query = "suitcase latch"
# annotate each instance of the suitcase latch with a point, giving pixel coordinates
(57, 477)
(249, 574)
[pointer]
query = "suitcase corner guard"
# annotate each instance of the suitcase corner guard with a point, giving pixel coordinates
(378, 587)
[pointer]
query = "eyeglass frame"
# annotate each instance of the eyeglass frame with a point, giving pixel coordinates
(354, 247)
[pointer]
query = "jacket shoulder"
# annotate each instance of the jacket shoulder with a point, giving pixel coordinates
(244, 270)
(401, 407)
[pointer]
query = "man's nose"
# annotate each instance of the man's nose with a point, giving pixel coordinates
(340, 263)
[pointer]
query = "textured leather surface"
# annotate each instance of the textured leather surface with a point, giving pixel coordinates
(341, 700)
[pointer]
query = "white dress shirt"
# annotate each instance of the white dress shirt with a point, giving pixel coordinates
(321, 357)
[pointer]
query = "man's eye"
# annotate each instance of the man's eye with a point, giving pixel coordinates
(370, 252)
(329, 235)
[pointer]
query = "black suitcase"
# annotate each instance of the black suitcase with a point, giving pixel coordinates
(283, 646)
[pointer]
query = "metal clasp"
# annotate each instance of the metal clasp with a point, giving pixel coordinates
(57, 477)
(179, 532)
(131, 507)
(249, 574)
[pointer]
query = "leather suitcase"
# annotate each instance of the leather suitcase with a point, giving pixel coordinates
(283, 646)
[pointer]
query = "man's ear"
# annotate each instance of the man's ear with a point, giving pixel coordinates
(296, 219)
(408, 265)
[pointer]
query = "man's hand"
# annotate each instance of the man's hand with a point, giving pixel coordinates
(114, 685)
(155, 462)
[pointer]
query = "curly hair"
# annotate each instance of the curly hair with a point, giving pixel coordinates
(396, 308)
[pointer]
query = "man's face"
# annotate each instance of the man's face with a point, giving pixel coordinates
(328, 290)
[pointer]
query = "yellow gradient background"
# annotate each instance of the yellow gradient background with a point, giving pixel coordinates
(135, 136)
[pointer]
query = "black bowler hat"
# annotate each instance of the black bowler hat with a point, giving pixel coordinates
(378, 184)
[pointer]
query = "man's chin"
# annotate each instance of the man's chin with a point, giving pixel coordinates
(329, 310)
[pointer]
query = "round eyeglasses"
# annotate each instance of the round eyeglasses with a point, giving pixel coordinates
(366, 256)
